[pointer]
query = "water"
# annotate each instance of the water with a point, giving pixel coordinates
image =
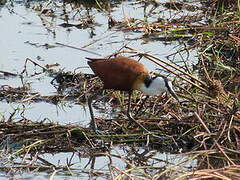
(116, 160)
(25, 26)
(25, 34)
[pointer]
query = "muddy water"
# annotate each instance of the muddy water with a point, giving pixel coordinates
(26, 34)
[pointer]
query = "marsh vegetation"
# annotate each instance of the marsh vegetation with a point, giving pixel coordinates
(196, 43)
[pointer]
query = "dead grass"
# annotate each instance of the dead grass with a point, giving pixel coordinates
(206, 123)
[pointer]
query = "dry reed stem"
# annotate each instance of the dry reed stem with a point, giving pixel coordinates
(78, 48)
(225, 173)
(215, 142)
(155, 59)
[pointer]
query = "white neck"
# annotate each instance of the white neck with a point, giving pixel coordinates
(157, 86)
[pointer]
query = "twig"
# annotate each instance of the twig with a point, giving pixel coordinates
(155, 60)
(151, 57)
(123, 172)
(30, 98)
(35, 63)
(6, 73)
(218, 146)
(79, 49)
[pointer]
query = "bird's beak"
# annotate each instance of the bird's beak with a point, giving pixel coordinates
(173, 93)
(170, 89)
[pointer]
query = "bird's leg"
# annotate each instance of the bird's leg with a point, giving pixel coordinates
(129, 104)
(141, 106)
(93, 122)
(129, 114)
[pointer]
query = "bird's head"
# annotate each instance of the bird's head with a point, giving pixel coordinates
(156, 85)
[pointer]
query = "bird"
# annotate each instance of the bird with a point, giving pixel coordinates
(126, 74)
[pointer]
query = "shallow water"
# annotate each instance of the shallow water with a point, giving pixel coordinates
(24, 26)
(119, 158)
(23, 35)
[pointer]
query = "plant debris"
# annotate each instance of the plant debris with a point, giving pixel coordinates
(206, 122)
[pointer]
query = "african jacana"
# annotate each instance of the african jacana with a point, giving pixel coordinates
(125, 74)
